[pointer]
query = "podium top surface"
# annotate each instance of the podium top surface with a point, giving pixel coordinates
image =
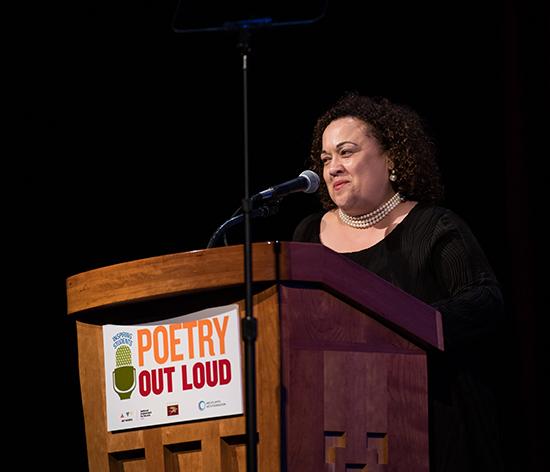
(216, 268)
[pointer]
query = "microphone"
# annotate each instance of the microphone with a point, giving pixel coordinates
(308, 182)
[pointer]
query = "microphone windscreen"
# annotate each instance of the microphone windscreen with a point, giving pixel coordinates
(123, 356)
(313, 181)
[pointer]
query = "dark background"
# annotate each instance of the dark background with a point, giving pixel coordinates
(133, 147)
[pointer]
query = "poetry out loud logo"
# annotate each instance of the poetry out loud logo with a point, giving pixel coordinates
(124, 375)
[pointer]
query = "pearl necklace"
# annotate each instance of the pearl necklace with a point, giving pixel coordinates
(370, 219)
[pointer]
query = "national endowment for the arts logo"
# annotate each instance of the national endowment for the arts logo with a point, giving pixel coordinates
(124, 375)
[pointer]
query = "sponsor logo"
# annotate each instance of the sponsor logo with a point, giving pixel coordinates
(126, 416)
(145, 413)
(211, 404)
(173, 410)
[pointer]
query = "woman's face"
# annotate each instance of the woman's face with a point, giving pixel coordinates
(355, 168)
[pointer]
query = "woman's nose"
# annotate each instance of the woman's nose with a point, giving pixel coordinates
(335, 166)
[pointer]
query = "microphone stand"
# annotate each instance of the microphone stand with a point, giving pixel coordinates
(263, 211)
(249, 323)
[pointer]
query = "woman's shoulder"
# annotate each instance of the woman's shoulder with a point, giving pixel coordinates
(308, 228)
(438, 219)
(435, 213)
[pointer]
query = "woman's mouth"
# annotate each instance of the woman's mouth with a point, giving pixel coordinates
(338, 185)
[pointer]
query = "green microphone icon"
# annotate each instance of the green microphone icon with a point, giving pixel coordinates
(124, 375)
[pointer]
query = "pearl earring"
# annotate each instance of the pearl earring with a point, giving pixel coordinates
(393, 175)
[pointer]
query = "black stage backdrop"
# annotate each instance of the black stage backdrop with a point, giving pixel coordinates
(133, 147)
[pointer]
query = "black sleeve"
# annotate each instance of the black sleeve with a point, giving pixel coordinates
(474, 303)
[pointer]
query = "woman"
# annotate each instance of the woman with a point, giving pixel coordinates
(380, 199)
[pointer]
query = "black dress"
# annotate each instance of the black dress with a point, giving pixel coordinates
(433, 255)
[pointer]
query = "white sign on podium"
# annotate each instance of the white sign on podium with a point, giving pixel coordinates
(181, 369)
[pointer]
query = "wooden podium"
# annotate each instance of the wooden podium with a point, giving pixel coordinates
(341, 360)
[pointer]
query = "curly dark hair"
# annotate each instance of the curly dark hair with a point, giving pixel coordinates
(400, 132)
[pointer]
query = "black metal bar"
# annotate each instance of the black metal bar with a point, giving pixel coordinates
(249, 323)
